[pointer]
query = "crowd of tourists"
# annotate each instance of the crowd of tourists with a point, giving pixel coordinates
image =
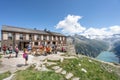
(9, 50)
(44, 50)
(39, 50)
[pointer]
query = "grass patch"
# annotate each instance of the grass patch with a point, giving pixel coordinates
(53, 61)
(4, 75)
(94, 69)
(0, 56)
(32, 74)
(50, 66)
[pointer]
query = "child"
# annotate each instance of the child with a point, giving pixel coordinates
(10, 51)
(25, 56)
(16, 51)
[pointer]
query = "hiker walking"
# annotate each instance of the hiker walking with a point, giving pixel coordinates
(25, 56)
(29, 47)
(54, 49)
(16, 51)
(4, 49)
(41, 49)
(48, 49)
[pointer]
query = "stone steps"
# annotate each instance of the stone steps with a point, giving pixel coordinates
(67, 75)
(42, 61)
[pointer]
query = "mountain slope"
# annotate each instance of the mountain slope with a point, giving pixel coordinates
(88, 47)
(116, 48)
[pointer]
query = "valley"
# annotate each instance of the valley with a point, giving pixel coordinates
(95, 47)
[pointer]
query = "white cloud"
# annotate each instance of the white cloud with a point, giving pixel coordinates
(70, 25)
(115, 29)
(96, 32)
(103, 31)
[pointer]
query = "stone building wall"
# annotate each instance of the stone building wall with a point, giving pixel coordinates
(71, 50)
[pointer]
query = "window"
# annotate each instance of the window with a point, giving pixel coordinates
(30, 37)
(50, 37)
(44, 37)
(21, 36)
(36, 43)
(10, 36)
(37, 37)
(40, 37)
(53, 37)
(61, 38)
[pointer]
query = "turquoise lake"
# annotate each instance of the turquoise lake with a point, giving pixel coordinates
(108, 57)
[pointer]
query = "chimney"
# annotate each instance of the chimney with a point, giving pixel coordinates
(35, 29)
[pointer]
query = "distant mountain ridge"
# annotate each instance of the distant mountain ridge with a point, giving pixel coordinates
(88, 47)
(102, 37)
(116, 48)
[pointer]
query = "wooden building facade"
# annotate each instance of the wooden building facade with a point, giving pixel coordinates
(11, 35)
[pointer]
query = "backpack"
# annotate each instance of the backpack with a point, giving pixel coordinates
(25, 55)
(16, 50)
(7, 51)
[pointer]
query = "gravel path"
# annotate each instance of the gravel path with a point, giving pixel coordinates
(13, 64)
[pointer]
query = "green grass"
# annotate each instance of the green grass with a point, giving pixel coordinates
(0, 56)
(4, 75)
(32, 74)
(94, 69)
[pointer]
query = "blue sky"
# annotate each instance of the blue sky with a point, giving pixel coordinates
(56, 15)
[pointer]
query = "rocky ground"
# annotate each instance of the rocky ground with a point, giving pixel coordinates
(13, 64)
